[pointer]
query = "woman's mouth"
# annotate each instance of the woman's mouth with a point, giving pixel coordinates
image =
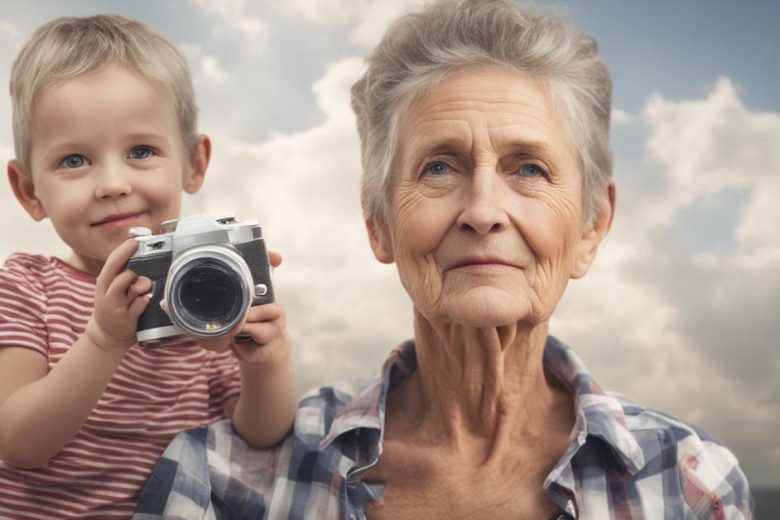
(479, 263)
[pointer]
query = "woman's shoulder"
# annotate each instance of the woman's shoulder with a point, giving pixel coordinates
(704, 465)
(643, 419)
(328, 411)
(336, 396)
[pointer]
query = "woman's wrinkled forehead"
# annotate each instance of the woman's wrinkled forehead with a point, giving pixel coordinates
(500, 107)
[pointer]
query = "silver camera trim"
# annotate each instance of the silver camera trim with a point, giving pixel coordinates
(194, 235)
(169, 334)
(221, 253)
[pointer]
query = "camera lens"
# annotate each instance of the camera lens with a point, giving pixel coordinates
(210, 293)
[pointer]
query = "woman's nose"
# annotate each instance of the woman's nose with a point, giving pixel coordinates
(484, 203)
(112, 182)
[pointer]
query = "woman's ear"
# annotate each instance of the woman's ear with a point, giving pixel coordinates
(594, 233)
(379, 236)
(24, 190)
(199, 163)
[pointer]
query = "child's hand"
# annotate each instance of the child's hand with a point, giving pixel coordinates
(269, 342)
(266, 326)
(120, 298)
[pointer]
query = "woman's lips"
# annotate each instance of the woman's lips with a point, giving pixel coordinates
(482, 263)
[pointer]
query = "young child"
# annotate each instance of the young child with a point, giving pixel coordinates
(104, 124)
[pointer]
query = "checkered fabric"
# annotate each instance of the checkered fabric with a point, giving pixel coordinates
(624, 461)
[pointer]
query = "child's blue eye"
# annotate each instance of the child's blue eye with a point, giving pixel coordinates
(141, 152)
(530, 170)
(74, 161)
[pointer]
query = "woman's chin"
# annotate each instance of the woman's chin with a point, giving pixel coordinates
(486, 308)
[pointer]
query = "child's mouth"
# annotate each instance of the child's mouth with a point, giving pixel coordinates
(119, 220)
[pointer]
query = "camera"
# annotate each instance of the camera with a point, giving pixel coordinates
(207, 273)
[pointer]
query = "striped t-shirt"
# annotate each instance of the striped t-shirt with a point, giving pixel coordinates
(155, 393)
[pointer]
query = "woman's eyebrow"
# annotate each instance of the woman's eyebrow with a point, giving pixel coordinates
(429, 145)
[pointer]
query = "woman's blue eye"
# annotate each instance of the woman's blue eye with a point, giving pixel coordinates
(530, 170)
(141, 152)
(74, 161)
(436, 168)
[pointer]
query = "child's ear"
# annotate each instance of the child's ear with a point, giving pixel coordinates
(594, 233)
(24, 190)
(199, 163)
(379, 237)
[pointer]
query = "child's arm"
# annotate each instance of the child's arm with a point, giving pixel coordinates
(265, 410)
(40, 412)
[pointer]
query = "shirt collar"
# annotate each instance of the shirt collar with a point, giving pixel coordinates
(367, 409)
(599, 414)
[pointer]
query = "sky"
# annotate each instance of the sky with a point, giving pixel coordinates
(680, 311)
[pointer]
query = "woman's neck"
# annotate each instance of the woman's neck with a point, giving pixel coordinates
(480, 390)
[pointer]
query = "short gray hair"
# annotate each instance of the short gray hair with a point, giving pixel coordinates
(422, 48)
(69, 47)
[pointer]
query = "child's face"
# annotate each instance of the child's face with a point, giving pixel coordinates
(106, 155)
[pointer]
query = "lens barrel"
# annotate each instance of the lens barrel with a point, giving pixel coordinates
(208, 291)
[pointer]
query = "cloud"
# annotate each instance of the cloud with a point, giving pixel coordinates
(690, 330)
(365, 19)
(9, 32)
(707, 149)
(621, 117)
(233, 17)
(205, 65)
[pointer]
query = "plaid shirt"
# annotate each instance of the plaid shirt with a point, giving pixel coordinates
(624, 461)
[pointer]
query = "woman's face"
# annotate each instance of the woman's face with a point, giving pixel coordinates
(486, 222)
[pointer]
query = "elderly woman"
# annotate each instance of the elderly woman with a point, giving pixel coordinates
(484, 131)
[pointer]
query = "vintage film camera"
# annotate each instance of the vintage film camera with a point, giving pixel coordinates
(206, 273)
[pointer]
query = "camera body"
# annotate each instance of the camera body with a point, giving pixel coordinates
(206, 272)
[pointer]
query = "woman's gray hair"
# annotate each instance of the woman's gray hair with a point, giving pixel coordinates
(422, 48)
(68, 47)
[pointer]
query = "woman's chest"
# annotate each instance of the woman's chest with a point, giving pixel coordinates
(415, 488)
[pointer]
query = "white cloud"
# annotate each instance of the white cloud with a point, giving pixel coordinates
(205, 65)
(232, 17)
(689, 332)
(366, 19)
(9, 32)
(713, 145)
(621, 117)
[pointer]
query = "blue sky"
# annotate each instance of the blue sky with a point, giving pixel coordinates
(680, 311)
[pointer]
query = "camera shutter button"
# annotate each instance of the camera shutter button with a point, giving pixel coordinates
(135, 232)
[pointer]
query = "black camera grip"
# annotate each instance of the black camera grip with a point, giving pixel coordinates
(154, 267)
(254, 254)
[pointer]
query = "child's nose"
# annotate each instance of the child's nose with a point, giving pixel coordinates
(112, 183)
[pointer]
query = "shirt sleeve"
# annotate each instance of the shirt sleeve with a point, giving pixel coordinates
(22, 307)
(224, 377)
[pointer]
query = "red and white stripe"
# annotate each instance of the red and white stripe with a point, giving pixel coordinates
(155, 393)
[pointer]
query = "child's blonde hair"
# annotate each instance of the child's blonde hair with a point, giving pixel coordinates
(68, 47)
